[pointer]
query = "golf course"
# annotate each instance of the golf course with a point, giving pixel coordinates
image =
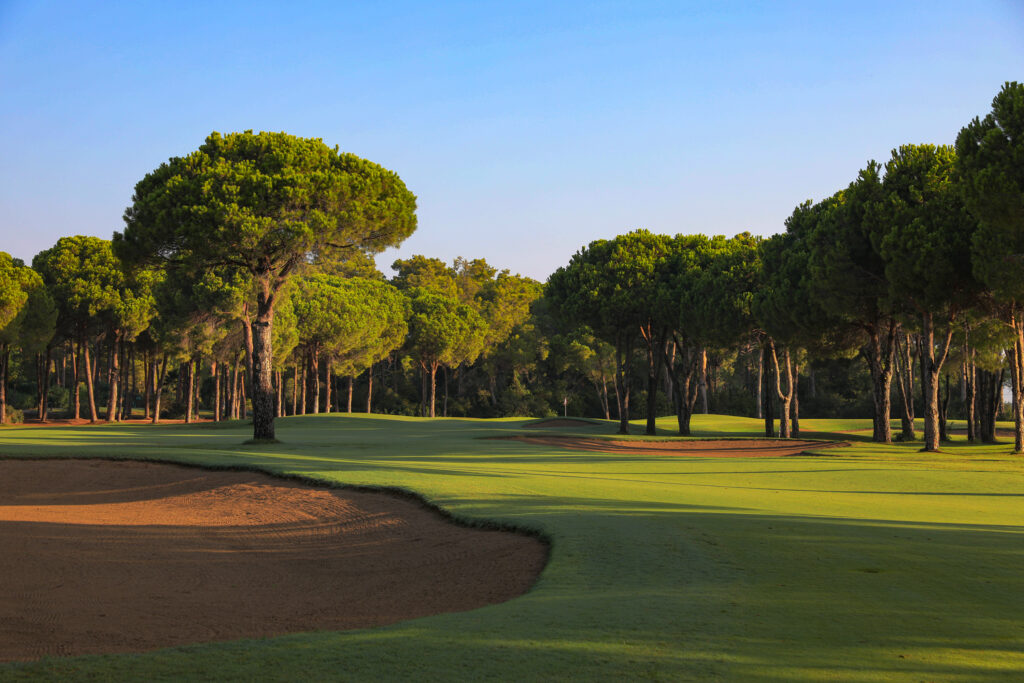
(857, 562)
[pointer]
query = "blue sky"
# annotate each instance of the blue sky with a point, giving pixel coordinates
(526, 129)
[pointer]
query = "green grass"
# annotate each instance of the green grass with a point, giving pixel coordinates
(867, 563)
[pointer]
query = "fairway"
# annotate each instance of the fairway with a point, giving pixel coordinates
(866, 563)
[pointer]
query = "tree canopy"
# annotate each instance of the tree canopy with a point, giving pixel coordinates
(268, 204)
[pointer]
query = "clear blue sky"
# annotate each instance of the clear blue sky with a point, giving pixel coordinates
(527, 129)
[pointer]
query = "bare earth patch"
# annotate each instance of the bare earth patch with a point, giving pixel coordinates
(716, 448)
(101, 556)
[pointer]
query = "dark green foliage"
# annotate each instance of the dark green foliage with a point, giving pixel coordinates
(265, 202)
(927, 257)
(353, 322)
(990, 158)
(263, 243)
(265, 205)
(86, 281)
(991, 168)
(442, 332)
(927, 248)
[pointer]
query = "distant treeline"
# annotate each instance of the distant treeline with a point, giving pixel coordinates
(243, 285)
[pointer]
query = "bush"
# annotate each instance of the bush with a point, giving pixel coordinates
(14, 416)
(59, 398)
(172, 410)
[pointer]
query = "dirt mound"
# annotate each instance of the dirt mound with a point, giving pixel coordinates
(102, 556)
(719, 448)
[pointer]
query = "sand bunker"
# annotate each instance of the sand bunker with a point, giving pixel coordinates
(718, 448)
(102, 556)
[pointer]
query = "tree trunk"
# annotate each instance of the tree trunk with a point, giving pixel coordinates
(623, 367)
(1017, 384)
(433, 385)
(328, 383)
(760, 385)
(880, 356)
(89, 382)
(5, 353)
(795, 407)
(113, 376)
(39, 386)
(262, 367)
(280, 393)
(312, 379)
(159, 377)
(905, 379)
(766, 392)
(618, 398)
(44, 383)
(369, 390)
(127, 381)
(932, 366)
(970, 389)
(295, 389)
(147, 380)
(242, 384)
(930, 386)
(943, 412)
(151, 372)
(786, 398)
(198, 389)
(684, 388)
(189, 390)
(195, 386)
(703, 381)
(234, 390)
(351, 382)
(492, 380)
(44, 393)
(997, 398)
(215, 373)
(655, 344)
(76, 371)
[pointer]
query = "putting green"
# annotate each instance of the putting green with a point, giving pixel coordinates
(868, 563)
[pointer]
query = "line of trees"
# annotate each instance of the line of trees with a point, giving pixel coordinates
(243, 282)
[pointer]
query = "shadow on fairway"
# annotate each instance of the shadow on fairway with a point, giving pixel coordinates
(726, 593)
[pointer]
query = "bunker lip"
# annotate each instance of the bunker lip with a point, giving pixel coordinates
(125, 556)
(691, 448)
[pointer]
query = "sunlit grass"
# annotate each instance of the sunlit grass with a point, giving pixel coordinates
(865, 563)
